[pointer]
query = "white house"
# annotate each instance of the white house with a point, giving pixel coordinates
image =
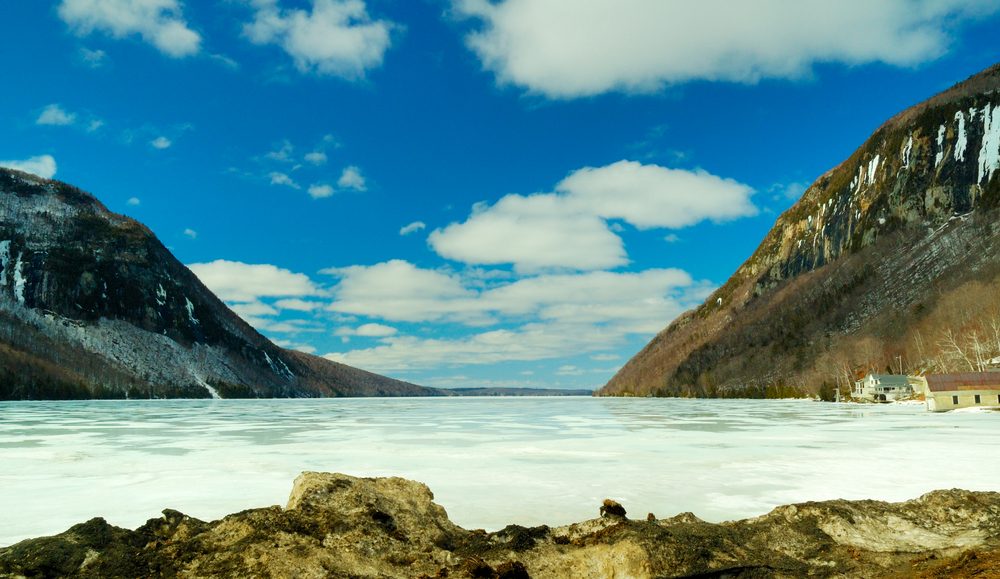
(882, 388)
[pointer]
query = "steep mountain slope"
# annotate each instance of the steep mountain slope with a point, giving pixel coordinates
(93, 305)
(871, 268)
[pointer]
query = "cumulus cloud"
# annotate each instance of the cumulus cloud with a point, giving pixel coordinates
(316, 158)
(93, 58)
(158, 22)
(368, 331)
(161, 143)
(351, 178)
(55, 115)
(640, 302)
(320, 191)
(569, 229)
(191, 233)
(398, 290)
(133, 201)
(43, 165)
(234, 281)
(586, 48)
(412, 227)
(337, 37)
(278, 178)
(297, 305)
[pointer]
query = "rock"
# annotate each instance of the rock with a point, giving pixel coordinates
(611, 508)
(336, 525)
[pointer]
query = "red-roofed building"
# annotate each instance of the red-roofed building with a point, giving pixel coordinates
(950, 391)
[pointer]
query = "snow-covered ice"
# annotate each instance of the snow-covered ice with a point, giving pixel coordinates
(489, 461)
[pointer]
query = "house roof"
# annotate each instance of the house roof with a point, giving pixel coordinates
(891, 379)
(964, 381)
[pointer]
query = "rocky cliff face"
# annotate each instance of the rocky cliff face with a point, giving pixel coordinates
(340, 526)
(93, 305)
(912, 212)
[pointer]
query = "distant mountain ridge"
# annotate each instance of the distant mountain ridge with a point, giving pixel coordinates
(874, 251)
(92, 305)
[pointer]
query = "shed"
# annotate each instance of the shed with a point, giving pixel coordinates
(965, 390)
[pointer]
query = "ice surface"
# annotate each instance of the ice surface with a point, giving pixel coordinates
(490, 462)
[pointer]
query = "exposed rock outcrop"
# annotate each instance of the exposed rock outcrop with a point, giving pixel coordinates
(340, 526)
(873, 246)
(92, 305)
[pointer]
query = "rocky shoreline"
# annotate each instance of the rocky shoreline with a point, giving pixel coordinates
(335, 525)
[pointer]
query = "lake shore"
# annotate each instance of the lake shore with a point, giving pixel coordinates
(336, 525)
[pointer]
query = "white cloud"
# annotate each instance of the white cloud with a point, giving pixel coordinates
(398, 290)
(158, 22)
(55, 115)
(412, 227)
(671, 238)
(368, 331)
(316, 158)
(283, 153)
(43, 165)
(532, 232)
(94, 125)
(133, 201)
(351, 178)
(297, 305)
(234, 281)
(191, 233)
(253, 309)
(567, 50)
(569, 229)
(652, 196)
(337, 37)
(320, 191)
(161, 143)
(641, 302)
(278, 178)
(93, 58)
(568, 370)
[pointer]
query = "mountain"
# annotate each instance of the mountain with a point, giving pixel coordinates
(92, 305)
(890, 260)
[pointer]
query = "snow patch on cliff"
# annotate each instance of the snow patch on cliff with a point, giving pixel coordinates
(190, 311)
(989, 153)
(962, 142)
(872, 169)
(907, 151)
(4, 260)
(940, 146)
(161, 295)
(19, 279)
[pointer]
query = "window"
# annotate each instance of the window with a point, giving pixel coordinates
(978, 399)
(954, 400)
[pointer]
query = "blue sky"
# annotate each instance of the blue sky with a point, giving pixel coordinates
(466, 193)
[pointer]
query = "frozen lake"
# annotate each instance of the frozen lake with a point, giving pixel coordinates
(489, 461)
